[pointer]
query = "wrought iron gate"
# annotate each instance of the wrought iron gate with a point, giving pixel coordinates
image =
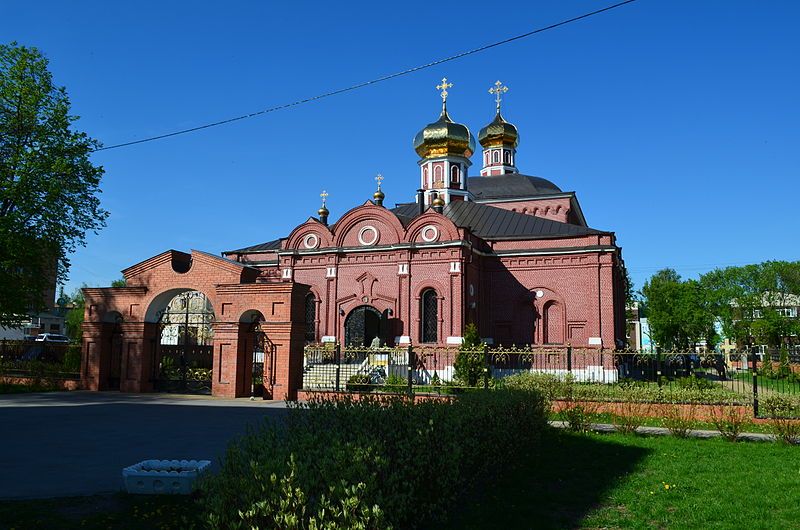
(183, 355)
(262, 379)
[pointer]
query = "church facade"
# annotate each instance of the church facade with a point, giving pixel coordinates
(509, 252)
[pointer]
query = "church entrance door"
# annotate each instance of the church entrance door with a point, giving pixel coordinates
(362, 325)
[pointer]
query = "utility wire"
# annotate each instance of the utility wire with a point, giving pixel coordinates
(371, 82)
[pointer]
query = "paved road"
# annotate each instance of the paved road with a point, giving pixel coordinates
(76, 443)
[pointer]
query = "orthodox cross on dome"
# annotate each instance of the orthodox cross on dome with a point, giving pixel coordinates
(497, 90)
(443, 87)
(324, 196)
(379, 179)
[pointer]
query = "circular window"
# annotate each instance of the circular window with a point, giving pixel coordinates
(311, 241)
(429, 234)
(539, 294)
(368, 236)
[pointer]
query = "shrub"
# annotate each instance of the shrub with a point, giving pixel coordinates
(395, 383)
(630, 416)
(679, 418)
(379, 462)
(729, 419)
(359, 383)
(72, 358)
(784, 417)
(578, 415)
(470, 364)
(695, 383)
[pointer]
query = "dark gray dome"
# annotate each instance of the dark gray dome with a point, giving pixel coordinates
(510, 185)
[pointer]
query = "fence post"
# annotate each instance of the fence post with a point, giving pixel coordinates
(337, 357)
(411, 364)
(485, 366)
(569, 358)
(755, 383)
(658, 367)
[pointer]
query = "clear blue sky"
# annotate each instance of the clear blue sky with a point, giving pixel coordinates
(676, 122)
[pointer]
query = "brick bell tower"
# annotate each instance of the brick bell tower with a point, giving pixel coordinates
(499, 140)
(444, 147)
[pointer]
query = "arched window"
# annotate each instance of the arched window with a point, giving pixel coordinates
(425, 177)
(507, 156)
(454, 174)
(486, 158)
(429, 311)
(437, 174)
(311, 318)
(495, 156)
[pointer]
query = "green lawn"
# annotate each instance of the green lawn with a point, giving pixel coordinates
(618, 481)
(572, 481)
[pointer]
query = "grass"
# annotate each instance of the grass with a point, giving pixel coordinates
(784, 386)
(118, 511)
(573, 481)
(619, 481)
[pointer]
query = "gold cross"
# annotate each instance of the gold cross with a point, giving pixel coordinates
(497, 90)
(379, 179)
(324, 196)
(443, 87)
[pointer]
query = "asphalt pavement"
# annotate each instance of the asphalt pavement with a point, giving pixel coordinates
(59, 444)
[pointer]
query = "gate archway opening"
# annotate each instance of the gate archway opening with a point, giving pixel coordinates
(183, 353)
(258, 357)
(363, 325)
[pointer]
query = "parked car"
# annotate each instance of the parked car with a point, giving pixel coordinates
(52, 337)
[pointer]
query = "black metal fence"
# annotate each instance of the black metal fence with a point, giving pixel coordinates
(39, 360)
(736, 377)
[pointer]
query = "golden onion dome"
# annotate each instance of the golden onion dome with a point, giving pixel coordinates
(438, 202)
(499, 133)
(444, 137)
(323, 212)
(378, 195)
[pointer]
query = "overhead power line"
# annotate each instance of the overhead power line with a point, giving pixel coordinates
(368, 83)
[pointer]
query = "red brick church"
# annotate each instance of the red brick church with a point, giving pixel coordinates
(509, 252)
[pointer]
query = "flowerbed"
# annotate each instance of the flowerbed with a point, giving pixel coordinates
(373, 462)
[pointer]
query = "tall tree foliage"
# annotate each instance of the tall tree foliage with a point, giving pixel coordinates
(48, 185)
(747, 301)
(679, 312)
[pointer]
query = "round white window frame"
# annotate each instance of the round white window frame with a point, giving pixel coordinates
(363, 231)
(425, 230)
(307, 241)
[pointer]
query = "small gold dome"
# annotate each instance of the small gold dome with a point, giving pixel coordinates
(438, 202)
(323, 212)
(444, 137)
(499, 133)
(378, 195)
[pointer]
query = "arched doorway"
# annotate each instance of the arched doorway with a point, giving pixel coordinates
(258, 364)
(183, 354)
(362, 325)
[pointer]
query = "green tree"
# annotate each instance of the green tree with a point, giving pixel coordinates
(74, 317)
(469, 363)
(679, 312)
(48, 185)
(747, 300)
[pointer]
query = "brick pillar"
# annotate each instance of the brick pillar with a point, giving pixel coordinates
(288, 340)
(136, 372)
(93, 370)
(226, 360)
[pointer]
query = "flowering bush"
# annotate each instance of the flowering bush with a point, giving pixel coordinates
(379, 462)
